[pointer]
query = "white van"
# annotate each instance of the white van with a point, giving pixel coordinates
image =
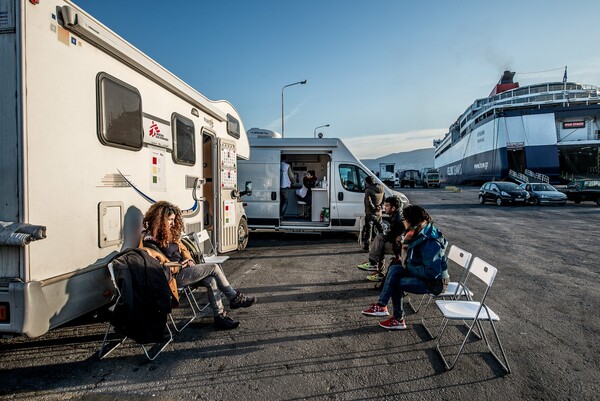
(93, 131)
(337, 202)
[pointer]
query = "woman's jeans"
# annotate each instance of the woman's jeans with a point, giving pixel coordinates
(211, 276)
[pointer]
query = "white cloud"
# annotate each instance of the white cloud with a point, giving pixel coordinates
(374, 146)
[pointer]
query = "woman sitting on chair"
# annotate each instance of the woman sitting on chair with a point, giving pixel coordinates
(422, 269)
(163, 226)
(309, 182)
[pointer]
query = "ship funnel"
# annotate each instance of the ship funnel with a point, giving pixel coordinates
(506, 83)
(507, 77)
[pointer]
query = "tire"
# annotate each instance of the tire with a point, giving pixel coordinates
(425, 185)
(598, 201)
(499, 201)
(577, 202)
(481, 200)
(242, 235)
(535, 202)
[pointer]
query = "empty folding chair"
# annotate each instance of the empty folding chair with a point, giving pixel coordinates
(108, 346)
(456, 289)
(209, 254)
(473, 311)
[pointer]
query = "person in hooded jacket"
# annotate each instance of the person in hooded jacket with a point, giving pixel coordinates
(388, 243)
(374, 194)
(425, 270)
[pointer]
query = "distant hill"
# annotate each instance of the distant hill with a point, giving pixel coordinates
(415, 159)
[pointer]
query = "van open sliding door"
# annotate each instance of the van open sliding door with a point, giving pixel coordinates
(227, 181)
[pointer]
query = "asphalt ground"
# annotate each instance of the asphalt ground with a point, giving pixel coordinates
(306, 339)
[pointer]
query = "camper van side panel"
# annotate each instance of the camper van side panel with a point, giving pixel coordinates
(10, 141)
(263, 169)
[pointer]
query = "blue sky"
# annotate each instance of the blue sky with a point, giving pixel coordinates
(387, 75)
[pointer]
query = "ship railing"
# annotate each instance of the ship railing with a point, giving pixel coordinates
(546, 93)
(537, 176)
(522, 178)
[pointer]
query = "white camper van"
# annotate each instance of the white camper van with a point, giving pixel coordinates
(337, 201)
(93, 131)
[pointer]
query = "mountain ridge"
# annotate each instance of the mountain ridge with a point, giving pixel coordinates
(414, 159)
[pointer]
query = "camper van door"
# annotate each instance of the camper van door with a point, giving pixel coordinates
(349, 192)
(227, 176)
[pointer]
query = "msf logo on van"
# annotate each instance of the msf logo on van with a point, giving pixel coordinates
(154, 130)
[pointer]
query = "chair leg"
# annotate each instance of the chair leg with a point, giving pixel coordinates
(411, 305)
(191, 301)
(108, 346)
(424, 317)
(156, 349)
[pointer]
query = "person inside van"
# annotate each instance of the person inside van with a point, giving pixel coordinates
(308, 183)
(425, 270)
(387, 243)
(163, 226)
(285, 182)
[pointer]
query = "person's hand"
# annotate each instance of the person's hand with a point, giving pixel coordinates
(399, 239)
(187, 263)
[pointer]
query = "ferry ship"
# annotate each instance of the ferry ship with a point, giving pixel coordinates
(548, 131)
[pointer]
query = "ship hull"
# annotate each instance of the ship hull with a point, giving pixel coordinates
(525, 139)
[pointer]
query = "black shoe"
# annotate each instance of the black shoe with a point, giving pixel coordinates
(241, 301)
(225, 322)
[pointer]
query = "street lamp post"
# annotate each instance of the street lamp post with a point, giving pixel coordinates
(320, 126)
(282, 116)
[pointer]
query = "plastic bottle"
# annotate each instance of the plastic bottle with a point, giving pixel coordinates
(325, 182)
(321, 216)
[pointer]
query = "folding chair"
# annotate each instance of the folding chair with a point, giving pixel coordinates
(474, 311)
(108, 347)
(203, 241)
(455, 290)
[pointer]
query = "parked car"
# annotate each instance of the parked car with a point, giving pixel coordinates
(541, 193)
(501, 192)
(583, 190)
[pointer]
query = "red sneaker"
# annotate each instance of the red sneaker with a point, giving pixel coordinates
(376, 310)
(393, 324)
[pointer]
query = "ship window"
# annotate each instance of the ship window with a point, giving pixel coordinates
(119, 107)
(184, 140)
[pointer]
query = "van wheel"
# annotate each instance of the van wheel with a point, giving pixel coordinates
(499, 201)
(242, 235)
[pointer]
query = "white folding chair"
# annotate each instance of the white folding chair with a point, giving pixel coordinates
(203, 242)
(109, 346)
(456, 289)
(475, 311)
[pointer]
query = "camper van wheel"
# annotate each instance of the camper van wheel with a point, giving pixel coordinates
(242, 235)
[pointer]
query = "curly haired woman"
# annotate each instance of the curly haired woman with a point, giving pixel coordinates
(163, 226)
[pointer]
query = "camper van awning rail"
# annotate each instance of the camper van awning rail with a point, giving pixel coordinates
(97, 34)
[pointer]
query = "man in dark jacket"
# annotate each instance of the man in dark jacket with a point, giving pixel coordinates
(374, 194)
(388, 243)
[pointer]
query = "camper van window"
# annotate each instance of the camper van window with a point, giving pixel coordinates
(184, 141)
(120, 111)
(352, 178)
(233, 126)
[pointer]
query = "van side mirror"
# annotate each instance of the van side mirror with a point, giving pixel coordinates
(247, 189)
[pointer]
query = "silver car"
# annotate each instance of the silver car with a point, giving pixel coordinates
(544, 194)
